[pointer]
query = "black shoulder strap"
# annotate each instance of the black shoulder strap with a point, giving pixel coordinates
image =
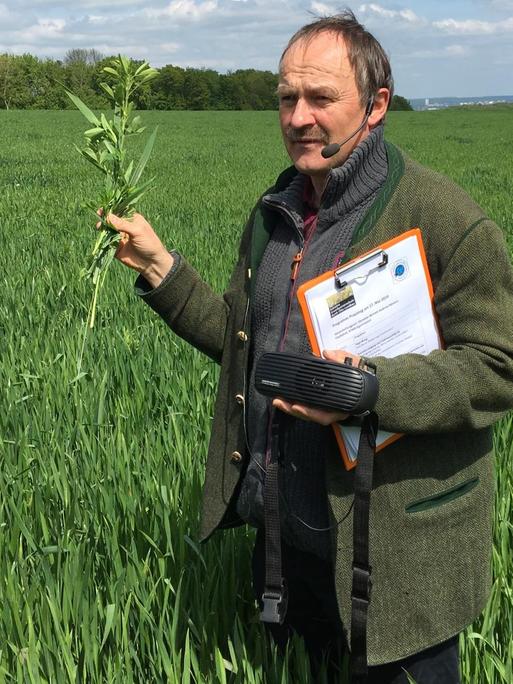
(275, 597)
(361, 590)
(275, 592)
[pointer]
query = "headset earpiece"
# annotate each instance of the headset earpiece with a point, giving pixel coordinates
(370, 106)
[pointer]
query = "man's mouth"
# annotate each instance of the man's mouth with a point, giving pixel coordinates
(306, 141)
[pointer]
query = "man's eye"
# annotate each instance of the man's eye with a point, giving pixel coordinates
(287, 98)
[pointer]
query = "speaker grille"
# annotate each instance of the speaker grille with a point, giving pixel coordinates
(315, 382)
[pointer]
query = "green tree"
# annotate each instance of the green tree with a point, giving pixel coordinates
(20, 83)
(231, 92)
(196, 90)
(167, 89)
(79, 71)
(10, 76)
(47, 90)
(400, 104)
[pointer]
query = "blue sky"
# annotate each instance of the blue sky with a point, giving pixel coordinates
(437, 47)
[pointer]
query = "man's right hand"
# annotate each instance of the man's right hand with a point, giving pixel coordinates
(140, 248)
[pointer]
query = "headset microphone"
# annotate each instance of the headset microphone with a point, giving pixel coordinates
(332, 149)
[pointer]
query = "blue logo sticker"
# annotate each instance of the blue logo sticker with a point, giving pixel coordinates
(400, 270)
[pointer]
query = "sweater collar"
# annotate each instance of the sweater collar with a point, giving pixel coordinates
(347, 186)
(359, 177)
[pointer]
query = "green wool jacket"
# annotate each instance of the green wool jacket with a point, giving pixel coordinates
(433, 491)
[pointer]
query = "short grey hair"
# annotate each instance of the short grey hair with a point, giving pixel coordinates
(367, 57)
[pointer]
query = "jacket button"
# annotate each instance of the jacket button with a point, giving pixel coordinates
(239, 398)
(242, 336)
(236, 457)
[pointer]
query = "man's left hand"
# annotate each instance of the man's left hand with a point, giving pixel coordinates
(313, 414)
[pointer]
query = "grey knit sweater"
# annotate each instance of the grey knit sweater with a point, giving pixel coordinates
(277, 323)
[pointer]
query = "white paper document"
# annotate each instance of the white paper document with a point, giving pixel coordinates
(372, 308)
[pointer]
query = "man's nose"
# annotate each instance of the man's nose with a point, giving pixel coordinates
(302, 114)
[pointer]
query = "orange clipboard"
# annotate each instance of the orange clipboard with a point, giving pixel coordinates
(338, 274)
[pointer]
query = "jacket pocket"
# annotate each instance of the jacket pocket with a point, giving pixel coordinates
(441, 498)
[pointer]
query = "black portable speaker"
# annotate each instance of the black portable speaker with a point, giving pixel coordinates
(317, 382)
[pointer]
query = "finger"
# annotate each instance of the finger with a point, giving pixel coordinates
(286, 407)
(340, 355)
(308, 413)
(318, 415)
(101, 221)
(295, 410)
(282, 405)
(121, 225)
(334, 355)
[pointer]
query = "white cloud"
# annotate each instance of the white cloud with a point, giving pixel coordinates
(503, 4)
(322, 9)
(474, 27)
(448, 51)
(407, 15)
(45, 28)
(457, 50)
(97, 19)
(208, 63)
(184, 9)
(169, 47)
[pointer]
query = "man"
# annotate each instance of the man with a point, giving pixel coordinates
(430, 525)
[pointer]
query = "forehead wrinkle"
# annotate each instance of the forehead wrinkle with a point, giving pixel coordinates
(317, 70)
(314, 88)
(337, 45)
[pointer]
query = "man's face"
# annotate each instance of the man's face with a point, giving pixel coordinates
(319, 103)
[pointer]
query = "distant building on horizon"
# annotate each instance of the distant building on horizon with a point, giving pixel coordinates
(434, 103)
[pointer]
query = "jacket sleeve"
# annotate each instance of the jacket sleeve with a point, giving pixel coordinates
(469, 384)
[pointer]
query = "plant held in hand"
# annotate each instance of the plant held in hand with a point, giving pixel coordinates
(105, 148)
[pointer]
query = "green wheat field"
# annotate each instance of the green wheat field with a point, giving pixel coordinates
(101, 575)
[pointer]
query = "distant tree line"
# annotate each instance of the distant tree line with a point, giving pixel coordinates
(27, 82)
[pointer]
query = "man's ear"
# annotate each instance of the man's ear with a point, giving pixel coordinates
(380, 106)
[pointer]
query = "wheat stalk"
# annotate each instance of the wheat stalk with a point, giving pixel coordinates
(105, 148)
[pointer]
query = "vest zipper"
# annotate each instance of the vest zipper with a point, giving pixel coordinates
(294, 272)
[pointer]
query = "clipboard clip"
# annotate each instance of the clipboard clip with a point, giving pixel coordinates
(339, 273)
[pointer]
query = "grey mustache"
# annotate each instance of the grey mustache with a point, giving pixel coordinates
(296, 136)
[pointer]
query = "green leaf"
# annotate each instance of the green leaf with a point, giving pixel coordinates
(141, 68)
(128, 172)
(144, 158)
(136, 121)
(106, 87)
(125, 63)
(149, 77)
(91, 157)
(78, 377)
(89, 115)
(109, 619)
(108, 128)
(110, 70)
(93, 132)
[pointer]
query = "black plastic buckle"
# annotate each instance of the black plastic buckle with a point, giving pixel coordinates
(275, 605)
(362, 583)
(367, 366)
